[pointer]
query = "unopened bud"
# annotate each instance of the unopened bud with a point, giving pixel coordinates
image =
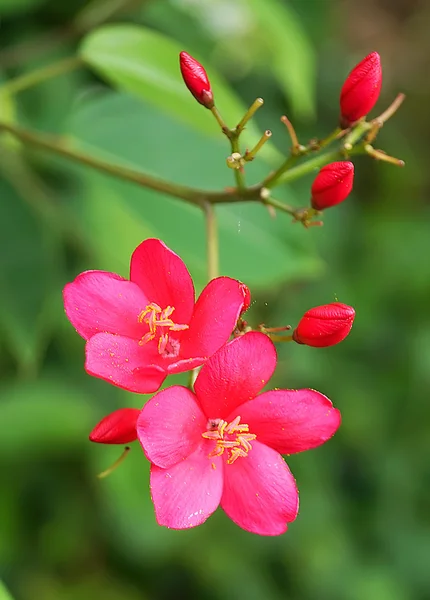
(196, 79)
(360, 90)
(332, 185)
(118, 427)
(246, 299)
(324, 325)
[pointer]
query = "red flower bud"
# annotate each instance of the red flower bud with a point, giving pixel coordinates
(118, 427)
(361, 90)
(332, 184)
(196, 79)
(247, 298)
(324, 325)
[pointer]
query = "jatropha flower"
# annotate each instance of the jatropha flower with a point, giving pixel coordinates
(361, 89)
(222, 445)
(325, 325)
(140, 330)
(196, 79)
(332, 185)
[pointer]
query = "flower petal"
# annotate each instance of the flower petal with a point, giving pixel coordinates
(170, 426)
(291, 420)
(215, 315)
(97, 301)
(235, 374)
(260, 493)
(186, 494)
(119, 427)
(123, 362)
(186, 364)
(164, 278)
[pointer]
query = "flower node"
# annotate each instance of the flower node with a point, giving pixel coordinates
(154, 316)
(233, 437)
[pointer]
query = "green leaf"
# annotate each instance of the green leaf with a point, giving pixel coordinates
(4, 594)
(254, 247)
(292, 58)
(146, 64)
(40, 415)
(10, 7)
(29, 279)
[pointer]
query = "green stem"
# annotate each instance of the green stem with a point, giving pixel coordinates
(52, 144)
(212, 241)
(303, 169)
(33, 78)
(281, 206)
(239, 175)
(273, 178)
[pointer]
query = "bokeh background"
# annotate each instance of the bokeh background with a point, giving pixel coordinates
(364, 525)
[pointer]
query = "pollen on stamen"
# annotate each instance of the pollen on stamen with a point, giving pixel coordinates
(230, 437)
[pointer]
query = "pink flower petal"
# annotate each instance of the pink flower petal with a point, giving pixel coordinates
(260, 493)
(186, 494)
(235, 374)
(186, 364)
(123, 362)
(164, 278)
(170, 426)
(215, 315)
(291, 420)
(97, 301)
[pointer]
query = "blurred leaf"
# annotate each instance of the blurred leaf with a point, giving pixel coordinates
(146, 63)
(4, 594)
(39, 415)
(254, 248)
(9, 7)
(292, 55)
(28, 286)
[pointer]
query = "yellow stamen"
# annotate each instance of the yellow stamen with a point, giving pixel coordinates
(154, 316)
(239, 443)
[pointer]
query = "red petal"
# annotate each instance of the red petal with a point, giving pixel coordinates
(235, 374)
(186, 494)
(196, 79)
(164, 278)
(121, 361)
(170, 426)
(361, 89)
(97, 301)
(260, 493)
(325, 325)
(118, 427)
(215, 316)
(290, 421)
(332, 185)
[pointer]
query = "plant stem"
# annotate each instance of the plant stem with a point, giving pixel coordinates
(258, 103)
(239, 174)
(212, 241)
(40, 75)
(57, 146)
(303, 169)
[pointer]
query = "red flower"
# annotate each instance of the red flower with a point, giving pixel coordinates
(141, 330)
(361, 90)
(196, 79)
(118, 427)
(223, 444)
(332, 185)
(325, 325)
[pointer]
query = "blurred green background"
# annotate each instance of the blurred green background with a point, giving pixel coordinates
(364, 526)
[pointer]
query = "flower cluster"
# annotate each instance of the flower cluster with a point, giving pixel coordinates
(218, 443)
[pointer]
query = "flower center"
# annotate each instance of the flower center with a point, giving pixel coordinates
(233, 437)
(160, 323)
